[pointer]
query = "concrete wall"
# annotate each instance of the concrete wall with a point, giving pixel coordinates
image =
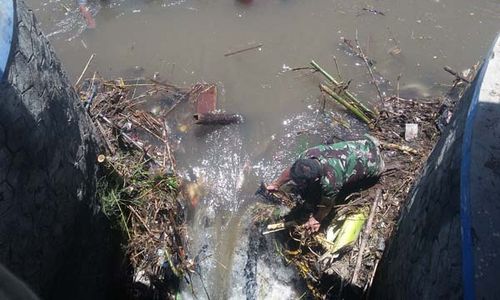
(447, 242)
(423, 258)
(52, 234)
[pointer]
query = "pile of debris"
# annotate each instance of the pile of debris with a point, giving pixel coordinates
(139, 187)
(341, 260)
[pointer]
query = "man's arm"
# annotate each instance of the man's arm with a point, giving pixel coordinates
(282, 179)
(322, 210)
(82, 4)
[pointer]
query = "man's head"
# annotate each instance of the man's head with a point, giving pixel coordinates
(305, 172)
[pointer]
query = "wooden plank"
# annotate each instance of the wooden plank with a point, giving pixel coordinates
(207, 100)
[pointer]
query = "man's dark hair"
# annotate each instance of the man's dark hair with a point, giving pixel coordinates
(305, 171)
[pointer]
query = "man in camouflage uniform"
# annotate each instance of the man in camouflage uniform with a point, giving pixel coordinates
(323, 172)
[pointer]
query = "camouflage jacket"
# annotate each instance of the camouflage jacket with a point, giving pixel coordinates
(345, 164)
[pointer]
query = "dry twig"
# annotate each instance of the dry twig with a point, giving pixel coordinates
(363, 56)
(243, 50)
(85, 69)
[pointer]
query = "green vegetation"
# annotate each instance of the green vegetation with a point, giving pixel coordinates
(128, 184)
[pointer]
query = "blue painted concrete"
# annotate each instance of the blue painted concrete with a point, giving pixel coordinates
(6, 32)
(480, 184)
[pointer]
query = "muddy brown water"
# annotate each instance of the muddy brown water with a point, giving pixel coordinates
(185, 42)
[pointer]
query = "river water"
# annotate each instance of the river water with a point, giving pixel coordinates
(185, 42)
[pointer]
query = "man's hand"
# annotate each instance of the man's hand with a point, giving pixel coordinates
(282, 179)
(272, 187)
(312, 225)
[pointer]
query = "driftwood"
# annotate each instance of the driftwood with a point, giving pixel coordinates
(217, 119)
(456, 74)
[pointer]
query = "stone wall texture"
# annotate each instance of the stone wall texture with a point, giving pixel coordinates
(52, 234)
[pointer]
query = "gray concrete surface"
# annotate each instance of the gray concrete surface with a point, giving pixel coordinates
(52, 233)
(485, 181)
(427, 257)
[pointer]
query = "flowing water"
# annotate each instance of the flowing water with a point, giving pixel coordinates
(185, 42)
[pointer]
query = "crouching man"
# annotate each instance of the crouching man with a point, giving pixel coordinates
(325, 173)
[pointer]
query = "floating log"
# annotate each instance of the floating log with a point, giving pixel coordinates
(217, 119)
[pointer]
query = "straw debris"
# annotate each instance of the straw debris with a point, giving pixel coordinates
(139, 188)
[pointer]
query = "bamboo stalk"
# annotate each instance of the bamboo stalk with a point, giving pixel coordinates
(322, 71)
(362, 116)
(366, 235)
(273, 231)
(348, 95)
